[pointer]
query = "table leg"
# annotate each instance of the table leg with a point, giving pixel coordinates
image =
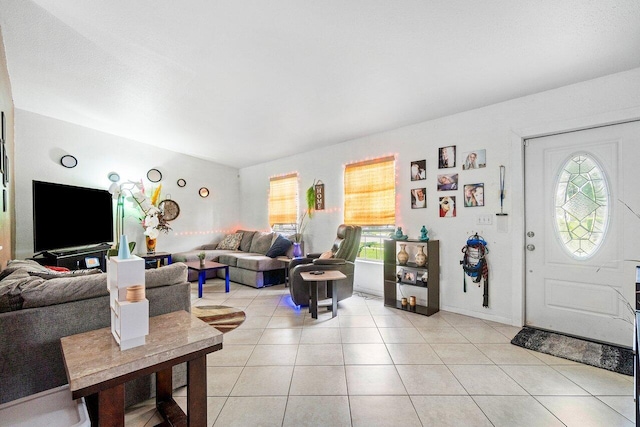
(197, 391)
(201, 279)
(164, 385)
(314, 299)
(226, 279)
(111, 406)
(169, 260)
(334, 298)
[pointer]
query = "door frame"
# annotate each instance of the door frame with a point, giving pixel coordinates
(516, 193)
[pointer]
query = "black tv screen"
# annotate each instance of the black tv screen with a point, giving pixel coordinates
(66, 216)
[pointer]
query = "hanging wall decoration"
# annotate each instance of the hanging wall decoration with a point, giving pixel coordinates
(319, 191)
(418, 170)
(474, 159)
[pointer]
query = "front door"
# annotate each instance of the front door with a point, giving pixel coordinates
(580, 234)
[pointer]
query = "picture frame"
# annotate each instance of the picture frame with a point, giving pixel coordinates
(448, 182)
(418, 198)
(418, 170)
(473, 195)
(447, 157)
(408, 276)
(447, 207)
(475, 159)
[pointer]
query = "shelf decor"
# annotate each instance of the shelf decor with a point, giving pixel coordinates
(403, 256)
(421, 257)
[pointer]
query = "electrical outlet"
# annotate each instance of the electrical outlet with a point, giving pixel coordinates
(485, 219)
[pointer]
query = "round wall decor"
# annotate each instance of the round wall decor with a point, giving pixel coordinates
(154, 175)
(114, 177)
(182, 182)
(170, 209)
(68, 161)
(204, 192)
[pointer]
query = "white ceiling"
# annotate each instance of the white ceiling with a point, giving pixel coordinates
(242, 82)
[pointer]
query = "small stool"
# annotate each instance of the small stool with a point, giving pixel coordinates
(315, 279)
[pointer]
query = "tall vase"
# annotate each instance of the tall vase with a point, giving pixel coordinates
(421, 257)
(151, 244)
(297, 250)
(403, 256)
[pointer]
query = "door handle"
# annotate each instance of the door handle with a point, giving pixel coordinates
(531, 247)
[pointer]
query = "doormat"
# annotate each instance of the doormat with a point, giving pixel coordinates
(221, 317)
(605, 356)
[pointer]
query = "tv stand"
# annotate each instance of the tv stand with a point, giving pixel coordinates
(74, 259)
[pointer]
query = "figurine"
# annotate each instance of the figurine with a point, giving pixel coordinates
(424, 234)
(398, 235)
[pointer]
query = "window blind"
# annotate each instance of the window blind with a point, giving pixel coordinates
(283, 199)
(370, 192)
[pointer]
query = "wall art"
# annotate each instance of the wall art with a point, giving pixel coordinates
(447, 157)
(448, 182)
(447, 207)
(418, 170)
(418, 198)
(474, 159)
(473, 195)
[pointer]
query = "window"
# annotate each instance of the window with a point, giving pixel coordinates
(369, 201)
(582, 206)
(283, 201)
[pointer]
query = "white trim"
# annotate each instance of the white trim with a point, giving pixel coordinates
(518, 136)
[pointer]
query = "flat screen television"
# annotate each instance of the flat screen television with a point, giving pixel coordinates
(68, 217)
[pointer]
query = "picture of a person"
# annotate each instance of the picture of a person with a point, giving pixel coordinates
(447, 207)
(469, 196)
(478, 193)
(475, 159)
(447, 157)
(447, 182)
(418, 198)
(418, 170)
(470, 161)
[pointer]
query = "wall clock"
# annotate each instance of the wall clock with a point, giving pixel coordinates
(204, 192)
(170, 209)
(182, 182)
(113, 177)
(68, 161)
(154, 175)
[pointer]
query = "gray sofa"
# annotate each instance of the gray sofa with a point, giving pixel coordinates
(35, 312)
(248, 264)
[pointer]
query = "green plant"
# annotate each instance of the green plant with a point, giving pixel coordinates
(308, 213)
(201, 256)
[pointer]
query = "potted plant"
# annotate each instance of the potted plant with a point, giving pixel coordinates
(201, 256)
(302, 221)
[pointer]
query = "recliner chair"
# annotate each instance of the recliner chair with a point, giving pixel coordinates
(343, 254)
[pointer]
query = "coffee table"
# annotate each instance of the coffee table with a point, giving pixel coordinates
(327, 277)
(101, 372)
(202, 273)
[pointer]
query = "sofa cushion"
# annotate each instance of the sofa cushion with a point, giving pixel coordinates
(171, 274)
(231, 258)
(259, 263)
(59, 274)
(231, 242)
(247, 238)
(10, 290)
(261, 242)
(26, 265)
(279, 247)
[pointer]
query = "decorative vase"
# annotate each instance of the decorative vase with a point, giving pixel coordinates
(421, 257)
(151, 244)
(123, 248)
(403, 256)
(297, 250)
(202, 263)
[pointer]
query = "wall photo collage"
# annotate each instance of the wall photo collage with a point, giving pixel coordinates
(448, 181)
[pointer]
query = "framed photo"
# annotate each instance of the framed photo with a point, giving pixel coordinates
(474, 159)
(418, 198)
(408, 276)
(418, 170)
(447, 157)
(448, 182)
(473, 195)
(447, 207)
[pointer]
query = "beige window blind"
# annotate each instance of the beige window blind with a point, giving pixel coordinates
(283, 199)
(370, 192)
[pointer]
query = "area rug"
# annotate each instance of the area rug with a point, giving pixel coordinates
(610, 357)
(221, 317)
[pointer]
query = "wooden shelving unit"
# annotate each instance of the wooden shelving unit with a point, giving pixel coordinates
(432, 249)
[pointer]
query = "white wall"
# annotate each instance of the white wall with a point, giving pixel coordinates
(41, 141)
(497, 128)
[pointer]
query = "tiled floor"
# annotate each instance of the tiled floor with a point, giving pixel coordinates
(377, 366)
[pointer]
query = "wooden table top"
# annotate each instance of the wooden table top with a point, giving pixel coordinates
(195, 265)
(327, 275)
(94, 357)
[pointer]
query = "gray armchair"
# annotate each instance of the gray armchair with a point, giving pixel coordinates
(344, 252)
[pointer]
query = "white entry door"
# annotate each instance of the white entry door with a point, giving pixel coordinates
(580, 235)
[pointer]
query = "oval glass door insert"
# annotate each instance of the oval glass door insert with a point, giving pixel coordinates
(581, 206)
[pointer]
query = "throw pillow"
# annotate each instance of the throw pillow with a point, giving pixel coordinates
(279, 247)
(326, 255)
(261, 242)
(58, 274)
(231, 242)
(247, 238)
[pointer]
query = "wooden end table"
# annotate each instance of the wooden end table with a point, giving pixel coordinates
(97, 368)
(285, 261)
(202, 273)
(327, 277)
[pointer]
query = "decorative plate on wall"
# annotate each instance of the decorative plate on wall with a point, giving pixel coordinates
(182, 182)
(204, 192)
(68, 161)
(154, 175)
